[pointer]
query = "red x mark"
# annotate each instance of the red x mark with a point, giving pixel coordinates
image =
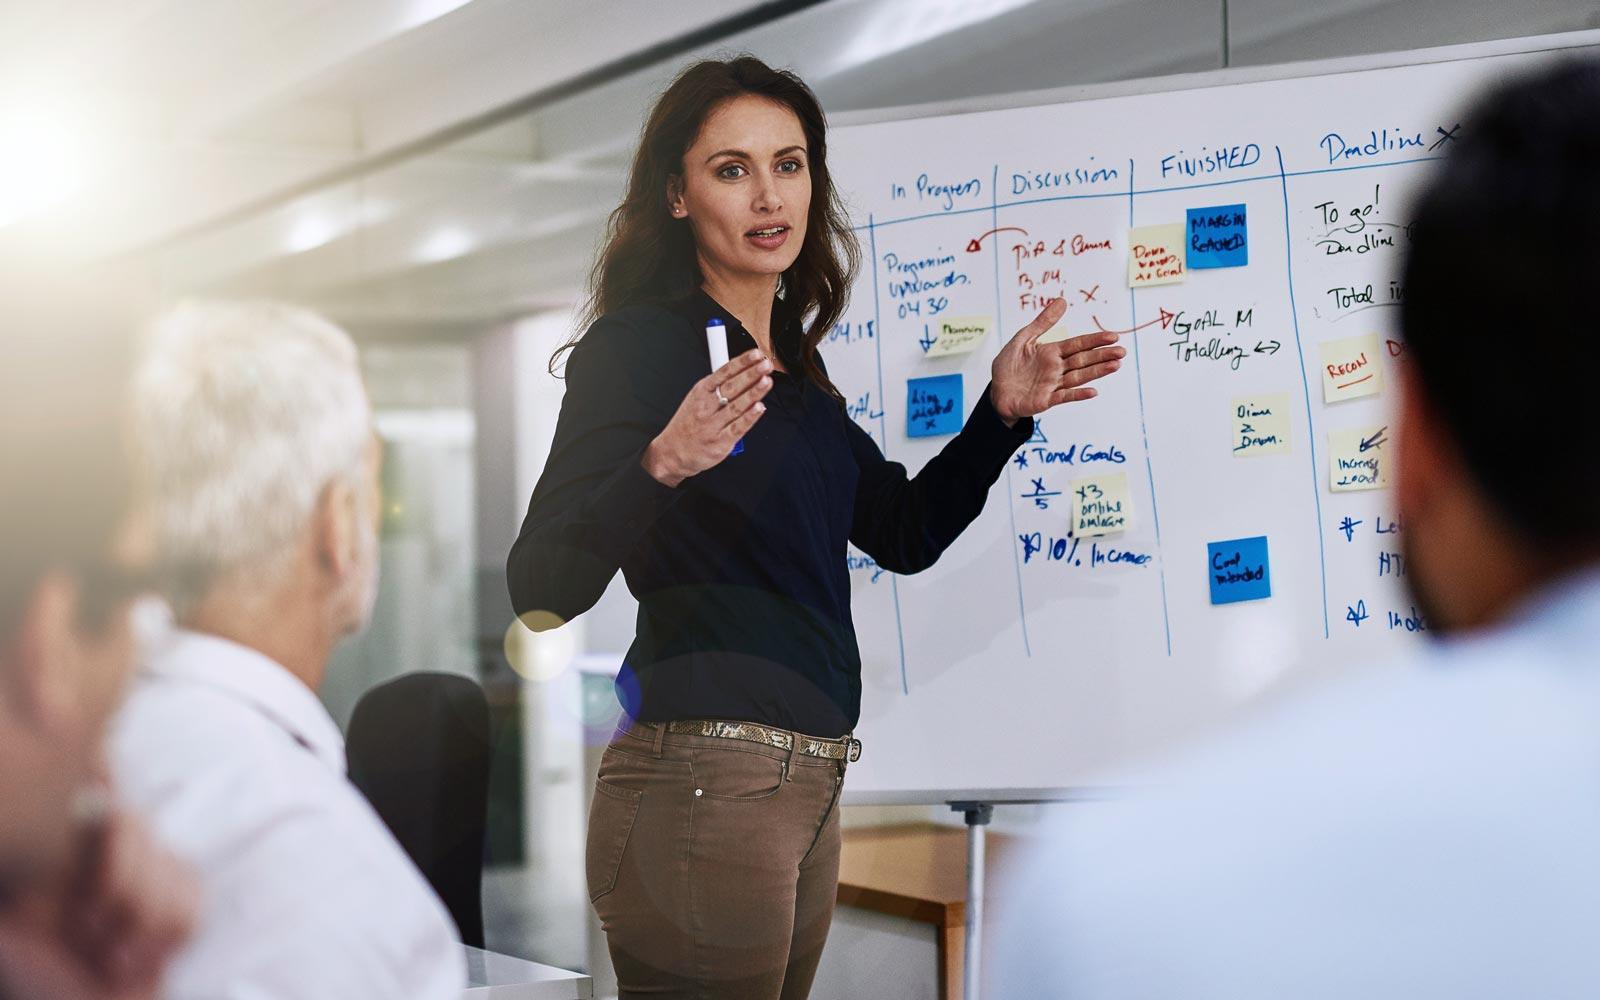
(1089, 295)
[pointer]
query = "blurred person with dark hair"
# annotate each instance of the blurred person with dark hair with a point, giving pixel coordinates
(89, 906)
(1428, 829)
(254, 429)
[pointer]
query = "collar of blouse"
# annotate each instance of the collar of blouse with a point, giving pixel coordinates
(787, 335)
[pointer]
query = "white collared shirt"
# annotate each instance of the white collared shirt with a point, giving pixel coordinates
(1424, 831)
(308, 897)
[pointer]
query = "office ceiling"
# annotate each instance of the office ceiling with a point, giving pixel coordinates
(427, 168)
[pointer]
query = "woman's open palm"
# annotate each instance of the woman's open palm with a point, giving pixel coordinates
(1030, 377)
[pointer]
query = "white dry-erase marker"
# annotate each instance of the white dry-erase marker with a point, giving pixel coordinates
(717, 342)
(717, 347)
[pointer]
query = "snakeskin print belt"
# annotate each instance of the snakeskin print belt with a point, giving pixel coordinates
(845, 748)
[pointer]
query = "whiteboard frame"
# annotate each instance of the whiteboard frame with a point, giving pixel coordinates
(1526, 45)
(1338, 65)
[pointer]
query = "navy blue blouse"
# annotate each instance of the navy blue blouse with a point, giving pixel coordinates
(740, 571)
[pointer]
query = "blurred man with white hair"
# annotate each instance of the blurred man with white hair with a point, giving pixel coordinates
(257, 436)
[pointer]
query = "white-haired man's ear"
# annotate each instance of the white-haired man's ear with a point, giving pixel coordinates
(344, 529)
(334, 530)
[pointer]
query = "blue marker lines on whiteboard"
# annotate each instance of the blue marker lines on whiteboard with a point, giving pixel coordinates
(1305, 383)
(934, 406)
(1016, 564)
(943, 191)
(1239, 570)
(883, 436)
(1144, 430)
(1217, 237)
(1270, 175)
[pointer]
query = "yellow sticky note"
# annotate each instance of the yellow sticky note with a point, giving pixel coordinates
(1358, 459)
(1261, 425)
(958, 335)
(1155, 255)
(1350, 368)
(1100, 505)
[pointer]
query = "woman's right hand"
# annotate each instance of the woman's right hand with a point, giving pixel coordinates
(704, 430)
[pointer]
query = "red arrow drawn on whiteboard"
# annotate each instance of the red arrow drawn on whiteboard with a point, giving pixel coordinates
(975, 245)
(1165, 319)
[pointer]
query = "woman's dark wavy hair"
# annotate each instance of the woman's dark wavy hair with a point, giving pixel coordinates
(649, 256)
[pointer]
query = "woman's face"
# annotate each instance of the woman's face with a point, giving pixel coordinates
(746, 188)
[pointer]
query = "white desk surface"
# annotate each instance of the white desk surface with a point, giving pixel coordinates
(491, 976)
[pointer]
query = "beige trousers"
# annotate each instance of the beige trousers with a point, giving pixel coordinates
(713, 865)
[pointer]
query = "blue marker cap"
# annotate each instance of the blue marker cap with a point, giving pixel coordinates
(713, 321)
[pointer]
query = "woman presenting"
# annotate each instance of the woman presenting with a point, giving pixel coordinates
(727, 501)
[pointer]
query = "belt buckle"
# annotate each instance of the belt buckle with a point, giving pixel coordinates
(853, 749)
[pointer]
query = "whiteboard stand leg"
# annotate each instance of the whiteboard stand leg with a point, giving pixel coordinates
(978, 815)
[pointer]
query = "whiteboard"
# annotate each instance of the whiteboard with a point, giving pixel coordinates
(1032, 656)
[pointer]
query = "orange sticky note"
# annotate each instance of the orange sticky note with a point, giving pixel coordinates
(1350, 368)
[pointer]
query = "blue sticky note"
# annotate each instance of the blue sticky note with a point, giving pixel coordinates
(933, 406)
(1217, 237)
(1239, 570)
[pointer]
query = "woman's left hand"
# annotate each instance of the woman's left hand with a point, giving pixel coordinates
(1030, 377)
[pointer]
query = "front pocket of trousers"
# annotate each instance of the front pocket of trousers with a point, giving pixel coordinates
(611, 819)
(737, 775)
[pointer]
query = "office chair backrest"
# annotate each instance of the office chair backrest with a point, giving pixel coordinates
(418, 749)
